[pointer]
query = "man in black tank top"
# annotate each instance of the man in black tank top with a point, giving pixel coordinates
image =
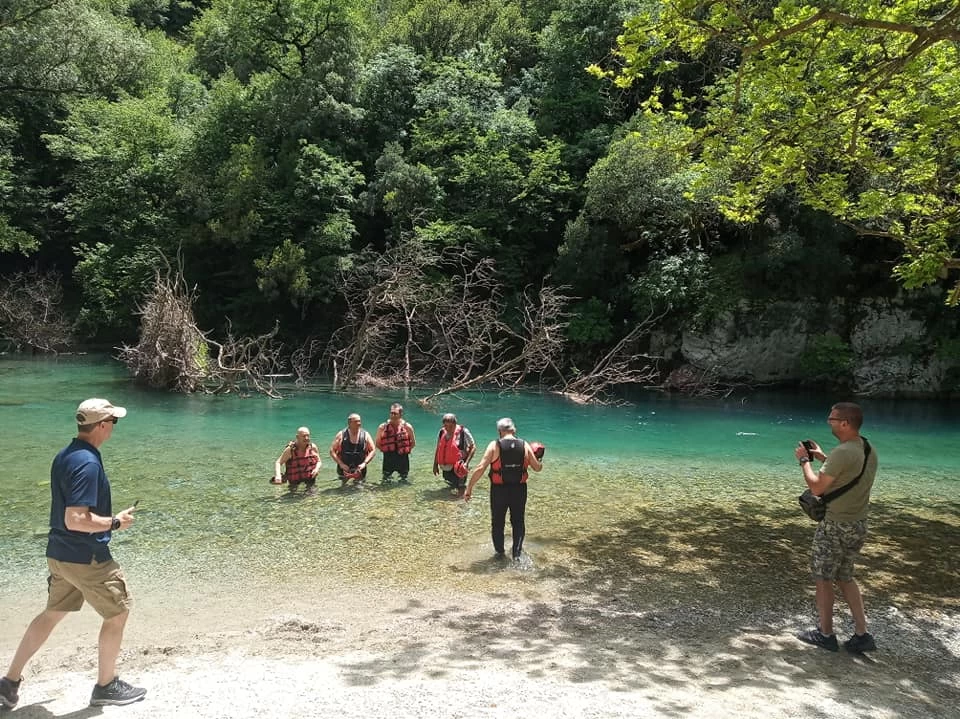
(352, 449)
(508, 458)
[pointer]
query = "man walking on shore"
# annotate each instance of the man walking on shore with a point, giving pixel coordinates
(78, 557)
(841, 533)
(508, 459)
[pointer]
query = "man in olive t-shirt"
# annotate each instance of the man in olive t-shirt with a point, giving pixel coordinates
(842, 532)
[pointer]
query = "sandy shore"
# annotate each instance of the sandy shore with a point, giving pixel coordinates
(525, 650)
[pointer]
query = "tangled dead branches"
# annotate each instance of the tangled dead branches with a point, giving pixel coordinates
(30, 313)
(441, 317)
(622, 365)
(245, 364)
(174, 354)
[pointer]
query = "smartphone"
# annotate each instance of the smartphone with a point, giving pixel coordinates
(808, 445)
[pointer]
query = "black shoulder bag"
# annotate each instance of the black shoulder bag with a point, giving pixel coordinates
(816, 507)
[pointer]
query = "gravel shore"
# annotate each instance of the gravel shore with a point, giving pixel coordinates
(526, 650)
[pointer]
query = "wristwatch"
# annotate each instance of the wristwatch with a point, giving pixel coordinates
(804, 460)
(115, 524)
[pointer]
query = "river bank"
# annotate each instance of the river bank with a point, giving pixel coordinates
(313, 648)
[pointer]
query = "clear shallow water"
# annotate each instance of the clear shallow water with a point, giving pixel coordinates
(199, 466)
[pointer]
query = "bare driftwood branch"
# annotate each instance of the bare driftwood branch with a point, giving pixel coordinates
(245, 363)
(622, 365)
(172, 351)
(505, 355)
(702, 382)
(429, 316)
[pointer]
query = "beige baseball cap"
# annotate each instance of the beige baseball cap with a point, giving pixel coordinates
(96, 410)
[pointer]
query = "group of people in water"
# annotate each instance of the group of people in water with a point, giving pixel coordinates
(353, 449)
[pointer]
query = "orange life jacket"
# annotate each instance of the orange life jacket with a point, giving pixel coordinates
(511, 466)
(395, 439)
(300, 466)
(450, 448)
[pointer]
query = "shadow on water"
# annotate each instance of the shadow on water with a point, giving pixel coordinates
(440, 494)
(652, 597)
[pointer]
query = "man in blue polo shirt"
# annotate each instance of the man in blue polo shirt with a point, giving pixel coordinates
(78, 557)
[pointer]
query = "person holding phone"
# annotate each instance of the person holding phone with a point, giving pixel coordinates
(79, 560)
(841, 534)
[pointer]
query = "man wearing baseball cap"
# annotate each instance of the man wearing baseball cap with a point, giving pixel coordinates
(78, 557)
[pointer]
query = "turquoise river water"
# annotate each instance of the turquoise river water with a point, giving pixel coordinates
(199, 466)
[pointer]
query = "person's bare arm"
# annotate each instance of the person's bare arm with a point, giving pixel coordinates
(488, 457)
(335, 452)
(281, 460)
(532, 462)
(83, 519)
(818, 482)
(371, 452)
(316, 470)
(413, 436)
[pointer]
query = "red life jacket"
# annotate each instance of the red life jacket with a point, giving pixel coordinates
(300, 466)
(449, 449)
(395, 439)
(511, 466)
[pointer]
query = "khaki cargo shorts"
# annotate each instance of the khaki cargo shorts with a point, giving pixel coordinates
(101, 584)
(836, 546)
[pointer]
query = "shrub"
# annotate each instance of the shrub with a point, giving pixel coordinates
(827, 359)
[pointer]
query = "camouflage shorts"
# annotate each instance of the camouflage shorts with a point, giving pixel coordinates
(836, 546)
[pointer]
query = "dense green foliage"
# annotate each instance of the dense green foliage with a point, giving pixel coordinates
(853, 105)
(273, 145)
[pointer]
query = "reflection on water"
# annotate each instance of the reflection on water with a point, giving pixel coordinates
(681, 491)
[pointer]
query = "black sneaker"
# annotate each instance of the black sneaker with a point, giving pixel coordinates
(9, 692)
(860, 643)
(819, 639)
(117, 692)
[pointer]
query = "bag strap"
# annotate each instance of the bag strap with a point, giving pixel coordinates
(847, 487)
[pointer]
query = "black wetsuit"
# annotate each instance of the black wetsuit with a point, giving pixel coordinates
(508, 494)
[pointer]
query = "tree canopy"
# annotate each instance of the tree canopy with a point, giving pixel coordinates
(852, 105)
(638, 163)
